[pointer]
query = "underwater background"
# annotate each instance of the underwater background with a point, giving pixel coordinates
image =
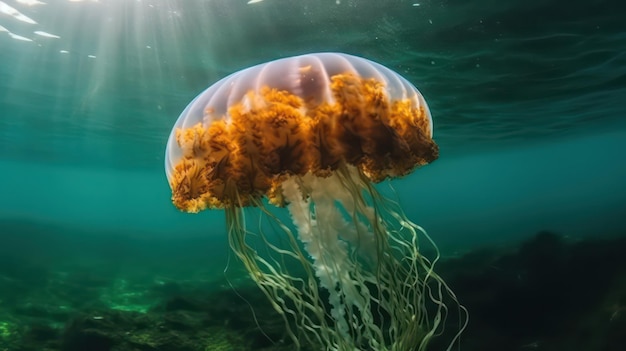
(526, 202)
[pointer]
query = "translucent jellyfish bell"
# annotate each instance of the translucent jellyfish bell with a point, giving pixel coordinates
(313, 133)
(308, 77)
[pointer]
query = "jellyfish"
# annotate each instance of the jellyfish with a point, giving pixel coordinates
(311, 136)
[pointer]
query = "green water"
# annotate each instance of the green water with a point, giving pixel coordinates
(527, 99)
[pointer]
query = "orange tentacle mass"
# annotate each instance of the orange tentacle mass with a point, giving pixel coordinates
(274, 134)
